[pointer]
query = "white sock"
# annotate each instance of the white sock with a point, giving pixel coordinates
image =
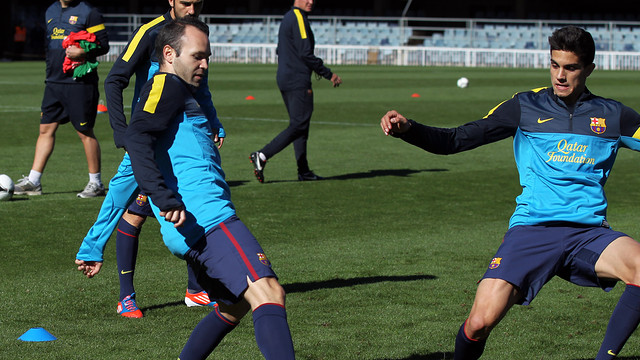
(34, 177)
(95, 178)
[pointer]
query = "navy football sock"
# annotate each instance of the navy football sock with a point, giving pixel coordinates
(467, 349)
(272, 332)
(126, 254)
(623, 322)
(192, 281)
(206, 336)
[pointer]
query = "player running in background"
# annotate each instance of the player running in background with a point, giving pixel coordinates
(177, 164)
(565, 142)
(138, 58)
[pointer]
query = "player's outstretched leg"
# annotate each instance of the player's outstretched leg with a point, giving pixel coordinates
(126, 255)
(466, 348)
(207, 335)
(272, 332)
(623, 323)
(266, 297)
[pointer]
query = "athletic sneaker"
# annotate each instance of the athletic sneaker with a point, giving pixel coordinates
(92, 190)
(128, 308)
(258, 165)
(198, 299)
(309, 176)
(26, 187)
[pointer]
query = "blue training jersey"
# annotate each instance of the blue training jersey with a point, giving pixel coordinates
(175, 161)
(564, 155)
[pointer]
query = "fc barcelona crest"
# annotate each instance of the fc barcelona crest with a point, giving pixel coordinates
(73, 20)
(263, 259)
(495, 262)
(141, 200)
(597, 125)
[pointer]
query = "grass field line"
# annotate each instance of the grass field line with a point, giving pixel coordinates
(11, 108)
(287, 120)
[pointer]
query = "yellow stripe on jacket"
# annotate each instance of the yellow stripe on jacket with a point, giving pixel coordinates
(155, 94)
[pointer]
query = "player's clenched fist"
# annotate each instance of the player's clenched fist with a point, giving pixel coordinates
(394, 123)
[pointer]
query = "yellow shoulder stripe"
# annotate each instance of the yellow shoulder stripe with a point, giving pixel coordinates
(497, 106)
(636, 135)
(95, 29)
(154, 95)
(494, 109)
(303, 30)
(136, 39)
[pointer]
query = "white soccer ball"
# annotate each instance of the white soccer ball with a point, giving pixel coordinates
(463, 82)
(6, 188)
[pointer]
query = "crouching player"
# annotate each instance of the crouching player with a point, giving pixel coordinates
(177, 164)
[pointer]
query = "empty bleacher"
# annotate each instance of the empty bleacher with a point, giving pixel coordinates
(326, 32)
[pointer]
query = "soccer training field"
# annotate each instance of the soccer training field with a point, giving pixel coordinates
(380, 261)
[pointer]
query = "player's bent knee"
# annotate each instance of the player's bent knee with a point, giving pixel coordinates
(478, 327)
(263, 291)
(134, 219)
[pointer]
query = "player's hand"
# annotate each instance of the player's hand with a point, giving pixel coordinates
(176, 216)
(89, 268)
(218, 140)
(394, 123)
(74, 52)
(335, 79)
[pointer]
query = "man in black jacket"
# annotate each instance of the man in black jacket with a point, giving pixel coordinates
(296, 61)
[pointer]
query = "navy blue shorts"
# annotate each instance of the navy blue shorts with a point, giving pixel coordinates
(225, 257)
(531, 255)
(141, 206)
(76, 103)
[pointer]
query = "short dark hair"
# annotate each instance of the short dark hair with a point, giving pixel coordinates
(576, 40)
(171, 33)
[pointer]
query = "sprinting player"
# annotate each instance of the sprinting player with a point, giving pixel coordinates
(296, 62)
(68, 98)
(138, 58)
(565, 142)
(177, 164)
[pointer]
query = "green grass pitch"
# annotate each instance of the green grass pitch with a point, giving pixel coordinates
(380, 261)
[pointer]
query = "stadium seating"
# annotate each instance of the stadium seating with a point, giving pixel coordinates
(498, 36)
(325, 32)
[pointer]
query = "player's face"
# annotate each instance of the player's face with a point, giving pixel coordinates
(193, 61)
(568, 75)
(306, 5)
(182, 8)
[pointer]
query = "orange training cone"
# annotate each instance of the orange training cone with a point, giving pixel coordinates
(249, 98)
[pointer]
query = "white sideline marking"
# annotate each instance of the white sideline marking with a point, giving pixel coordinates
(9, 109)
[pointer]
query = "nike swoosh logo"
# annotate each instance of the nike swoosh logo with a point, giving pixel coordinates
(84, 123)
(540, 121)
(125, 272)
(611, 353)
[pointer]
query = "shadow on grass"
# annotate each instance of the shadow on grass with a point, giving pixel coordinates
(233, 183)
(379, 173)
(369, 174)
(432, 356)
(338, 283)
(326, 284)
